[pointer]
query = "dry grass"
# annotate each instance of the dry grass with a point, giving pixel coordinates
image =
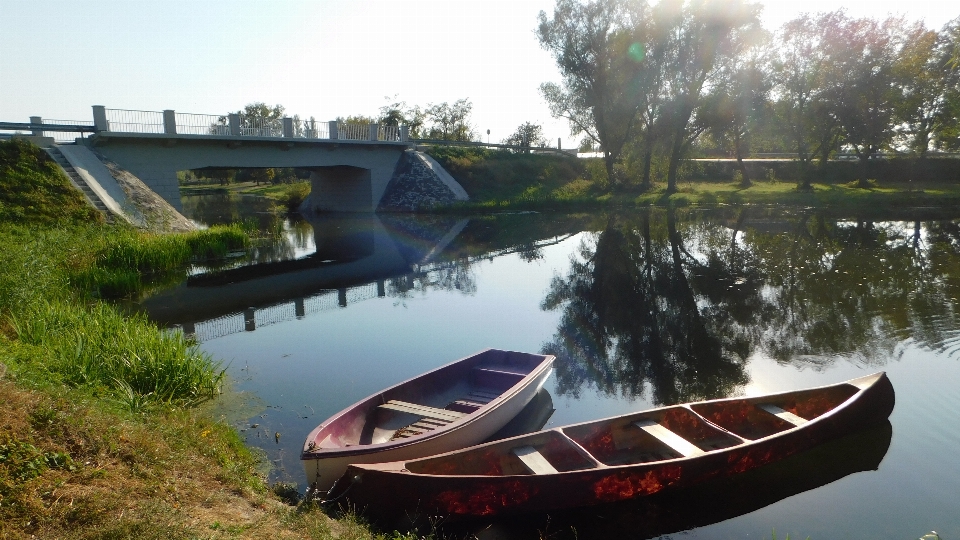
(173, 474)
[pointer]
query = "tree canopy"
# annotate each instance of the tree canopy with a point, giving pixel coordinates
(684, 76)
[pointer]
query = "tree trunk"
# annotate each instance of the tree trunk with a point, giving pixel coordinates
(738, 148)
(864, 159)
(647, 184)
(608, 161)
(672, 171)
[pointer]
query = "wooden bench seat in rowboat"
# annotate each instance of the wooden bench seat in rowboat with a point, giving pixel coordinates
(423, 411)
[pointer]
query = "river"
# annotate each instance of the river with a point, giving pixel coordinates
(642, 309)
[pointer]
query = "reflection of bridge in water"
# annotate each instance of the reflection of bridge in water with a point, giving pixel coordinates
(252, 318)
(354, 258)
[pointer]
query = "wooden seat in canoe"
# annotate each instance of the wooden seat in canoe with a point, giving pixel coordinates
(677, 443)
(786, 416)
(533, 460)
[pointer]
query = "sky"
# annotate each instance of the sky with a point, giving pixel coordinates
(320, 58)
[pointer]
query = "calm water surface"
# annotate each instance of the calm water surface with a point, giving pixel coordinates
(643, 309)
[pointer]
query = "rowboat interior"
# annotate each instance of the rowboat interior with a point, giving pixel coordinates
(430, 403)
(659, 435)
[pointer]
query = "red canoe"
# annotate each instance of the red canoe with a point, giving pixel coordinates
(619, 458)
(454, 406)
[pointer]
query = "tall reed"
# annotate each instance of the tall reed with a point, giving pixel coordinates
(96, 346)
(127, 260)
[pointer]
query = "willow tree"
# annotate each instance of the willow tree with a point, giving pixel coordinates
(694, 38)
(599, 47)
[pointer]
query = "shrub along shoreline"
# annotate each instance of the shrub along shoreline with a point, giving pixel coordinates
(103, 436)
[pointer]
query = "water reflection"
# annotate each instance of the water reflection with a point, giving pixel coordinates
(356, 257)
(632, 315)
(677, 301)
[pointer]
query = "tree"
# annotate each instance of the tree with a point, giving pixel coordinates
(799, 69)
(527, 136)
(737, 101)
(602, 90)
(861, 81)
(694, 37)
(450, 121)
(260, 119)
(399, 114)
(925, 74)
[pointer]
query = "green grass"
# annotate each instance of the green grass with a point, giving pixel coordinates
(33, 189)
(126, 261)
(580, 194)
(127, 358)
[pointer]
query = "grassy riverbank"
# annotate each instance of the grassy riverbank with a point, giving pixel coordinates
(103, 436)
(498, 180)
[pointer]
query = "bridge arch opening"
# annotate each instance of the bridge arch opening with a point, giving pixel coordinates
(339, 188)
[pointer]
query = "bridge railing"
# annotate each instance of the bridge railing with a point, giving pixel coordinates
(60, 136)
(388, 133)
(170, 122)
(132, 121)
(353, 132)
(202, 124)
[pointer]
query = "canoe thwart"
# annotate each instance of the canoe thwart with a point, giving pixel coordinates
(533, 460)
(677, 443)
(782, 414)
(422, 410)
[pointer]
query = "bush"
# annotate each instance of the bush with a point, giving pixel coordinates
(294, 195)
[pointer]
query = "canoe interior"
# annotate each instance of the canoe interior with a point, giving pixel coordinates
(458, 389)
(745, 418)
(624, 441)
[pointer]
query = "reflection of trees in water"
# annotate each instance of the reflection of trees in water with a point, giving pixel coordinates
(631, 316)
(455, 275)
(680, 304)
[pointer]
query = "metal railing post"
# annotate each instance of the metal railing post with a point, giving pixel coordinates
(234, 120)
(287, 126)
(374, 132)
(100, 118)
(37, 120)
(169, 122)
(404, 133)
(333, 129)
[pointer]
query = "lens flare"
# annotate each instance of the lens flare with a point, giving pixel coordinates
(637, 52)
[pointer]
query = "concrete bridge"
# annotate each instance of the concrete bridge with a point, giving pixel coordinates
(351, 166)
